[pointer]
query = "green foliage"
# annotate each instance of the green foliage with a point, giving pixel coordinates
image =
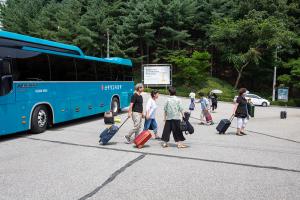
(213, 83)
(294, 76)
(240, 36)
(190, 70)
(247, 41)
(291, 102)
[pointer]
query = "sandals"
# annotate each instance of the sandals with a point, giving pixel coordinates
(243, 133)
(238, 134)
(180, 146)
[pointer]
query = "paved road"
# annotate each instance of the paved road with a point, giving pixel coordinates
(66, 162)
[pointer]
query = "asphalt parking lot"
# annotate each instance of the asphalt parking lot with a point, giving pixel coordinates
(66, 162)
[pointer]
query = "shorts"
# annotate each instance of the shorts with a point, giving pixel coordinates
(241, 122)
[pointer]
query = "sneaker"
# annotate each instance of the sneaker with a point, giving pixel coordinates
(164, 145)
(127, 139)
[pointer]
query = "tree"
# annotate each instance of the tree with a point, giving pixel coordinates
(293, 77)
(190, 70)
(242, 60)
(18, 15)
(246, 42)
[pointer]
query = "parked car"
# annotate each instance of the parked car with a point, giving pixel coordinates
(256, 100)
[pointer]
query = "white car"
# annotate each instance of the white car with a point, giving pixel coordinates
(256, 100)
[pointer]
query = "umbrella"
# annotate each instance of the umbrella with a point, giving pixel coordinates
(216, 91)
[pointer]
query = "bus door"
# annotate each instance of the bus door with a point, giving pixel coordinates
(7, 97)
(7, 93)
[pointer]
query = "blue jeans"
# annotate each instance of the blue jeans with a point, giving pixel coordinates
(150, 124)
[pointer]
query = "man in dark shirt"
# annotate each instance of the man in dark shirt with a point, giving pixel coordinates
(214, 101)
(136, 111)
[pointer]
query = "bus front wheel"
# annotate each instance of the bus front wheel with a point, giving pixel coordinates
(39, 120)
(115, 105)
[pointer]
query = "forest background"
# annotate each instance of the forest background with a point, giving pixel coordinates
(223, 44)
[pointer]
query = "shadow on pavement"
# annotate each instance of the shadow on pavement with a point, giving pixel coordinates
(23, 134)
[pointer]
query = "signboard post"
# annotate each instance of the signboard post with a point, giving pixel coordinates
(157, 75)
(283, 94)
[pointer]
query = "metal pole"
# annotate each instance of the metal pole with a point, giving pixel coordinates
(274, 77)
(274, 83)
(107, 43)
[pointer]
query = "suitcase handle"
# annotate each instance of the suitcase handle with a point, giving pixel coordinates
(231, 118)
(124, 122)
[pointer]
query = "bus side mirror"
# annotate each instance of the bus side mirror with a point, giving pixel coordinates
(6, 84)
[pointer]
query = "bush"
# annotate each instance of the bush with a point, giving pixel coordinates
(213, 83)
(291, 102)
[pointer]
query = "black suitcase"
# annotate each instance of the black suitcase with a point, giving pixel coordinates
(224, 125)
(283, 115)
(186, 126)
(108, 133)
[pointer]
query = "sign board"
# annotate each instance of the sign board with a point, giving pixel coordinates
(283, 94)
(157, 75)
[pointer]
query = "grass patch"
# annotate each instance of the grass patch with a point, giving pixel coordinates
(210, 84)
(291, 102)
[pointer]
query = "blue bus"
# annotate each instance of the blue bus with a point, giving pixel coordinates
(44, 82)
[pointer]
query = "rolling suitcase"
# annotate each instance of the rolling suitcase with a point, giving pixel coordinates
(185, 125)
(108, 133)
(208, 116)
(224, 125)
(283, 115)
(142, 138)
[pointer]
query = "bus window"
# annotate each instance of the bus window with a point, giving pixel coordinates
(31, 66)
(85, 70)
(117, 73)
(128, 75)
(103, 71)
(62, 68)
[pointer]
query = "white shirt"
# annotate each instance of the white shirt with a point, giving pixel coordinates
(192, 95)
(151, 108)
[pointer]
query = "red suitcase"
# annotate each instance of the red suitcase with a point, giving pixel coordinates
(142, 138)
(207, 116)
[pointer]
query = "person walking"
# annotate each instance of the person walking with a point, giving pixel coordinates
(241, 112)
(151, 107)
(173, 112)
(214, 101)
(205, 117)
(136, 111)
(192, 96)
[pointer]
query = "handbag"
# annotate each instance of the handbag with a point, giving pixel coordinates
(183, 126)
